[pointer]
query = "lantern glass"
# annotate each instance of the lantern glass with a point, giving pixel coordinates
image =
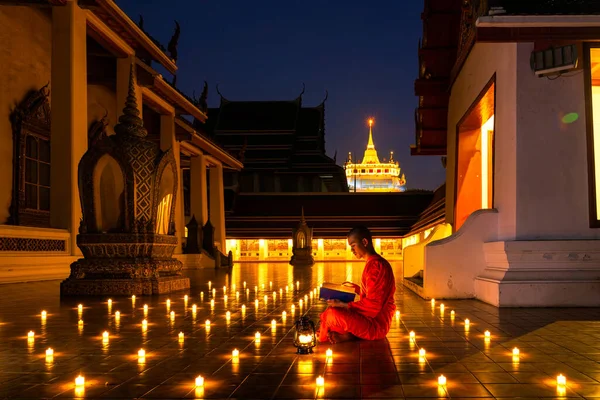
(305, 336)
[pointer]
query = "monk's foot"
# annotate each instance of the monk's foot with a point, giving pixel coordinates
(335, 337)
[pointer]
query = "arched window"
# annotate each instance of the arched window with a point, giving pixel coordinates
(31, 172)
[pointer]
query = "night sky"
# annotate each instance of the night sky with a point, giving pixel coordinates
(364, 53)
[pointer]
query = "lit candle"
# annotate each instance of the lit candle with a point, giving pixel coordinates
(273, 324)
(224, 289)
(209, 284)
(320, 381)
(329, 353)
(201, 295)
(237, 295)
(270, 285)
(185, 298)
(442, 307)
(214, 292)
(44, 314)
(274, 295)
(235, 353)
(168, 303)
(225, 298)
(80, 322)
(172, 314)
(80, 307)
(452, 313)
(109, 302)
(256, 303)
(247, 292)
(49, 352)
(194, 308)
(421, 352)
(412, 335)
(561, 380)
(305, 298)
(262, 286)
(233, 287)
(118, 315)
(467, 322)
(280, 291)
(298, 285)
(243, 308)
(284, 315)
(266, 298)
(442, 380)
(515, 352)
(311, 295)
(141, 353)
(286, 288)
(397, 314)
(432, 302)
(145, 308)
(487, 334)
(30, 335)
(79, 381)
(105, 336)
(207, 323)
(199, 381)
(228, 315)
(133, 298)
(244, 284)
(293, 308)
(257, 336)
(212, 303)
(256, 288)
(300, 303)
(181, 336)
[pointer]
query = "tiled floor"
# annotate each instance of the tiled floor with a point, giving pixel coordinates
(551, 342)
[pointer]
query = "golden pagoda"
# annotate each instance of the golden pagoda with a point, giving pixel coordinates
(371, 175)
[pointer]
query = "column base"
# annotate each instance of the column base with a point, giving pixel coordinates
(122, 287)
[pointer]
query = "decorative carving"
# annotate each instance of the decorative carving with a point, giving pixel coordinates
(302, 244)
(172, 46)
(127, 232)
(31, 244)
(30, 119)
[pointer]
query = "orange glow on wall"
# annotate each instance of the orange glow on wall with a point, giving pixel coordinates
(595, 91)
(475, 153)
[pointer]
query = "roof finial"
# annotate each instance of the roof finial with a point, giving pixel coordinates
(130, 122)
(370, 145)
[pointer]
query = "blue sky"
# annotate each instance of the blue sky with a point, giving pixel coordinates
(363, 53)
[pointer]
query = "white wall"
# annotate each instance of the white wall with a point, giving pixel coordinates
(552, 176)
(485, 60)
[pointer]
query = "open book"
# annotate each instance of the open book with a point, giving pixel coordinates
(336, 291)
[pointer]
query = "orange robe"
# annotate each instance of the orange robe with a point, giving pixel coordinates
(370, 317)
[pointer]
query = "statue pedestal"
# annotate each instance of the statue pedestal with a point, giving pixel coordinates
(125, 264)
(302, 257)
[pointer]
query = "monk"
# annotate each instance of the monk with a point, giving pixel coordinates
(370, 317)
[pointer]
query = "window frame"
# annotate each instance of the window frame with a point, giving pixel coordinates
(594, 219)
(30, 118)
(474, 104)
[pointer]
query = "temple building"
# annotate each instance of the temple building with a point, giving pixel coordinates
(509, 96)
(372, 175)
(281, 143)
(66, 75)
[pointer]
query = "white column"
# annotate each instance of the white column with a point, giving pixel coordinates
(198, 189)
(168, 141)
(69, 116)
(217, 204)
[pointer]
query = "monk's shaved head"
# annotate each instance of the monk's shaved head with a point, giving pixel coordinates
(361, 232)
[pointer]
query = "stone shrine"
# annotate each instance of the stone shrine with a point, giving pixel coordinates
(127, 187)
(302, 245)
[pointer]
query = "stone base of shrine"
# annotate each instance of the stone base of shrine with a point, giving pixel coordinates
(123, 287)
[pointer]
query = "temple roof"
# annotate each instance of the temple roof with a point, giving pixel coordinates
(258, 116)
(329, 214)
(549, 7)
(370, 156)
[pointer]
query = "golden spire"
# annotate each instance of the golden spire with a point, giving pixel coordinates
(370, 153)
(370, 145)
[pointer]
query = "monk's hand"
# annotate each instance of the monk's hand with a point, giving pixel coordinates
(337, 303)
